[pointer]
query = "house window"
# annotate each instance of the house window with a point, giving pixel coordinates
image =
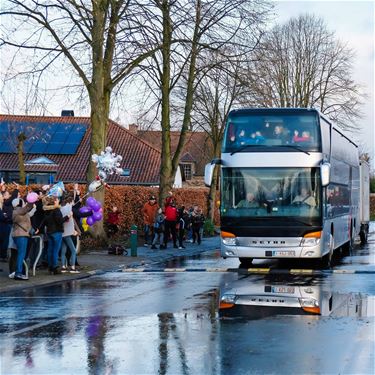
(187, 171)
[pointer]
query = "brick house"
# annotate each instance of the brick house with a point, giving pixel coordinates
(196, 153)
(58, 149)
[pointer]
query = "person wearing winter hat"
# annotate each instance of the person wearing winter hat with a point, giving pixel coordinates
(20, 233)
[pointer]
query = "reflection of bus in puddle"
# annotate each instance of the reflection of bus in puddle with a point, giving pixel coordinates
(255, 300)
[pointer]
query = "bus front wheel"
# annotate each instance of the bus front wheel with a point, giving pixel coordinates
(327, 259)
(246, 262)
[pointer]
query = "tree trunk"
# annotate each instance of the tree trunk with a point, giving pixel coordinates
(99, 125)
(211, 204)
(21, 161)
(166, 170)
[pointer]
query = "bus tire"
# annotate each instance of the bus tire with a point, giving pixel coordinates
(326, 260)
(246, 262)
(347, 248)
(363, 237)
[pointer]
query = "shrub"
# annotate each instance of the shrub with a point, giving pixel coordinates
(208, 227)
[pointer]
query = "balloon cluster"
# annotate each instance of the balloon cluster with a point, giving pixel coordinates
(94, 206)
(107, 163)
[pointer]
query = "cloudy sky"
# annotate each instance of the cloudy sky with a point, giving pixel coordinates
(352, 22)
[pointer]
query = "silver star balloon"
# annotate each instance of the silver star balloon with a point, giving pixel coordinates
(107, 163)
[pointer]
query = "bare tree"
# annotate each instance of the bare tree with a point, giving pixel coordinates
(301, 64)
(189, 28)
(102, 40)
(218, 90)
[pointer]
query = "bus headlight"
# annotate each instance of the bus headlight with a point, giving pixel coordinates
(227, 301)
(311, 239)
(230, 241)
(310, 305)
(228, 238)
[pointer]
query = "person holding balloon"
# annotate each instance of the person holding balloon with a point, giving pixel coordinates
(53, 220)
(70, 230)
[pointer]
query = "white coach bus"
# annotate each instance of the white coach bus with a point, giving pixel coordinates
(289, 185)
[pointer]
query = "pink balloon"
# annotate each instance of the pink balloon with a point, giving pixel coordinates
(32, 197)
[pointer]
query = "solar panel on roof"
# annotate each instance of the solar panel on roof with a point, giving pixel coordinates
(42, 138)
(38, 148)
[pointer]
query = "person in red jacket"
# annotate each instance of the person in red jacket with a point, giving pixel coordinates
(149, 213)
(113, 221)
(171, 216)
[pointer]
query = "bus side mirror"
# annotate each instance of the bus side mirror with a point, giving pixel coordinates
(209, 171)
(325, 173)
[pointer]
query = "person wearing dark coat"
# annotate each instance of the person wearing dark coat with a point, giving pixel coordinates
(7, 241)
(54, 222)
(4, 231)
(197, 221)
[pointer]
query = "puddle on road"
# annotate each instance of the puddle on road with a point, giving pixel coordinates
(293, 295)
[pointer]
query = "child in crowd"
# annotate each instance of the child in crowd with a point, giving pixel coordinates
(113, 221)
(159, 230)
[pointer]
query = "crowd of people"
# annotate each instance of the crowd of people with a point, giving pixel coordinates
(171, 223)
(54, 220)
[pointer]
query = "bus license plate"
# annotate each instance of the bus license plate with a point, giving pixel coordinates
(283, 253)
(282, 289)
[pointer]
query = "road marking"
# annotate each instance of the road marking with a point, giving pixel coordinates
(258, 270)
(271, 271)
(174, 269)
(217, 269)
(303, 271)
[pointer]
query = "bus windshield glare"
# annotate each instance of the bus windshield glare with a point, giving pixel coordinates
(270, 192)
(267, 132)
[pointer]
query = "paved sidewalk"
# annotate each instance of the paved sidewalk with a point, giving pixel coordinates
(95, 262)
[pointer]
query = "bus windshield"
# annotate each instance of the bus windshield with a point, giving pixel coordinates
(270, 192)
(271, 132)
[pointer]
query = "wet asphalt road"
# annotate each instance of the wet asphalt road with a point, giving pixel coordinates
(170, 323)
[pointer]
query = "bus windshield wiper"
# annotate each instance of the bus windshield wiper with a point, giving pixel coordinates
(244, 147)
(296, 148)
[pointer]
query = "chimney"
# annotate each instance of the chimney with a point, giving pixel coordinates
(67, 112)
(133, 128)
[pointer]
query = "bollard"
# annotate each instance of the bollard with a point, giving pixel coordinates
(133, 240)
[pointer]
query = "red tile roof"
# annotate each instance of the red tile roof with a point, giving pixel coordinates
(140, 157)
(198, 146)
